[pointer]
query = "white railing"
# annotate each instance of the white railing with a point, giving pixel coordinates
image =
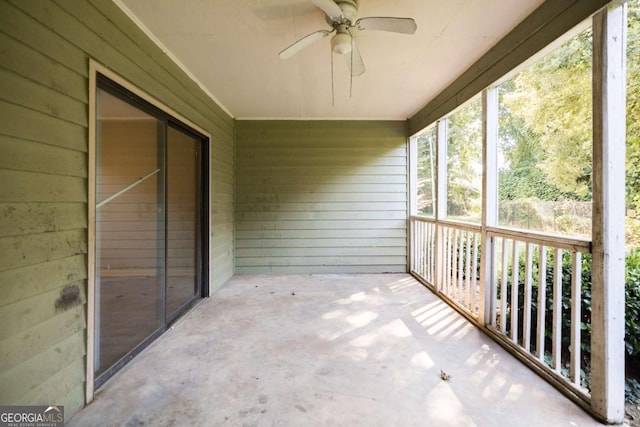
(461, 253)
(423, 255)
(534, 287)
(458, 254)
(536, 293)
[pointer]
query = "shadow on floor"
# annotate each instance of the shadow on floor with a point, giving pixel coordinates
(327, 350)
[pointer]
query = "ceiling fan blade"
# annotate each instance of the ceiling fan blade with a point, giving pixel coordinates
(354, 60)
(329, 7)
(394, 25)
(303, 42)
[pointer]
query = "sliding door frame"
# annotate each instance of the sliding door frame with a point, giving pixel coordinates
(177, 121)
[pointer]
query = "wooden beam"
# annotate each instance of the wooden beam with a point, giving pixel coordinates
(608, 265)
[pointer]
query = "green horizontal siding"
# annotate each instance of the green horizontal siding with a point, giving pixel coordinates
(45, 47)
(321, 197)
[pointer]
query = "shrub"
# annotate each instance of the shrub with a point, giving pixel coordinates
(632, 312)
(632, 299)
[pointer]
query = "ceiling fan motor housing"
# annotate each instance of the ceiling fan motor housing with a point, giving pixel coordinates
(349, 10)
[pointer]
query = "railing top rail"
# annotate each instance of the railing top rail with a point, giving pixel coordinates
(422, 218)
(476, 228)
(579, 244)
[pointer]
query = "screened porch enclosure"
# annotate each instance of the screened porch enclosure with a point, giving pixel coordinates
(292, 199)
(552, 299)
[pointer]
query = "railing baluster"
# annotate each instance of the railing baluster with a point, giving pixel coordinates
(542, 300)
(421, 260)
(459, 289)
(419, 248)
(474, 274)
(426, 247)
(526, 319)
(447, 259)
(414, 245)
(429, 248)
(514, 292)
(467, 271)
(503, 286)
(454, 262)
(452, 236)
(492, 241)
(424, 238)
(556, 350)
(576, 301)
(432, 243)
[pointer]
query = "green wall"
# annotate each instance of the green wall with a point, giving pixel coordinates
(321, 197)
(45, 48)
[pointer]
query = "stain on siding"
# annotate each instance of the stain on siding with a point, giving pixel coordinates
(44, 67)
(69, 297)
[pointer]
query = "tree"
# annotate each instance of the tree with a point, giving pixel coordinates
(520, 176)
(633, 105)
(426, 171)
(464, 161)
(549, 109)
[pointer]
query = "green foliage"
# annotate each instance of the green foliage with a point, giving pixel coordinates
(633, 107)
(632, 298)
(545, 126)
(525, 182)
(520, 213)
(464, 156)
(632, 390)
(550, 105)
(632, 314)
(632, 292)
(632, 231)
(426, 145)
(565, 300)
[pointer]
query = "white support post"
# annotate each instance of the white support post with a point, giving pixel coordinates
(608, 265)
(441, 166)
(441, 199)
(489, 198)
(413, 175)
(412, 195)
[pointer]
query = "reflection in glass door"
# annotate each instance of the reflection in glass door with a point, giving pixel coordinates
(149, 225)
(182, 224)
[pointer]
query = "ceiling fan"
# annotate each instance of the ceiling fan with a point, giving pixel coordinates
(342, 16)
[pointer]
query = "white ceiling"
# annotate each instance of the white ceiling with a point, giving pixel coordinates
(231, 48)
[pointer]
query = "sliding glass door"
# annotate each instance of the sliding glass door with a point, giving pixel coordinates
(150, 224)
(182, 227)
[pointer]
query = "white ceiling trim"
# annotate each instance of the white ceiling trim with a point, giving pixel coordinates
(170, 54)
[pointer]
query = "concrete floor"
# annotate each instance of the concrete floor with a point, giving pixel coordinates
(327, 350)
